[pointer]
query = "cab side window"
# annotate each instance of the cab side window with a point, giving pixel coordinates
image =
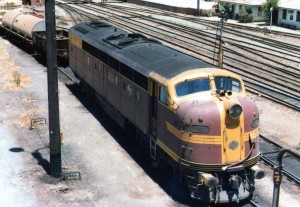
(163, 95)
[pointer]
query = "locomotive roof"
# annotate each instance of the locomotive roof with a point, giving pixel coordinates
(135, 50)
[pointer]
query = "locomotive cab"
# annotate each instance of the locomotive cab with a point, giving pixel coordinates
(213, 133)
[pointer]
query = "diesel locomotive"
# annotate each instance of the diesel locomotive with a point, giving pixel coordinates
(191, 115)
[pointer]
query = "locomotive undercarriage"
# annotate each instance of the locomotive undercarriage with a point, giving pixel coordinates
(232, 187)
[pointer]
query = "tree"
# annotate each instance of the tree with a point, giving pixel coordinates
(268, 4)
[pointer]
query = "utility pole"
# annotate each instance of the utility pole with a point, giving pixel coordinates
(198, 7)
(271, 13)
(53, 102)
(223, 20)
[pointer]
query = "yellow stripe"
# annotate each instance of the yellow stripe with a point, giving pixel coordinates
(78, 42)
(194, 138)
(253, 134)
(167, 150)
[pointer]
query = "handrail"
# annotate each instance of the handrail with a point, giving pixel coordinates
(277, 175)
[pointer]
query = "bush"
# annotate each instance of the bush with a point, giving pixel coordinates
(245, 17)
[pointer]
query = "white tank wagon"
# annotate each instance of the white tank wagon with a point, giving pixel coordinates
(28, 30)
(23, 23)
(27, 24)
(9, 17)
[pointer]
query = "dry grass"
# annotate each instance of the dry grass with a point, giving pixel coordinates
(25, 118)
(14, 80)
(10, 73)
(29, 99)
(17, 81)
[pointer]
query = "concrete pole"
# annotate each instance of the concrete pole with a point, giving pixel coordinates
(53, 102)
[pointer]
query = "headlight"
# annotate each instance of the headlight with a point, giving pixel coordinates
(255, 123)
(235, 111)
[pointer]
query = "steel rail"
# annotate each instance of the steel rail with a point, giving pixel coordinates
(139, 8)
(192, 31)
(253, 203)
(199, 32)
(269, 96)
(273, 164)
(163, 38)
(264, 40)
(266, 73)
(255, 29)
(270, 59)
(188, 29)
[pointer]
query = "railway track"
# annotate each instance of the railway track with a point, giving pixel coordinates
(270, 150)
(252, 59)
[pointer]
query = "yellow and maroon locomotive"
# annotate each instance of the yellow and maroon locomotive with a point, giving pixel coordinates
(192, 115)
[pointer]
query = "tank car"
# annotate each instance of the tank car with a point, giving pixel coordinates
(191, 115)
(28, 29)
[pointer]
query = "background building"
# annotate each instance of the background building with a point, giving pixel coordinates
(251, 6)
(289, 14)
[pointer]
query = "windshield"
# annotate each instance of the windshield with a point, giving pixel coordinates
(228, 83)
(192, 86)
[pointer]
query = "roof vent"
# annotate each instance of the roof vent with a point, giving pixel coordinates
(80, 29)
(99, 24)
(114, 37)
(136, 35)
(126, 42)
